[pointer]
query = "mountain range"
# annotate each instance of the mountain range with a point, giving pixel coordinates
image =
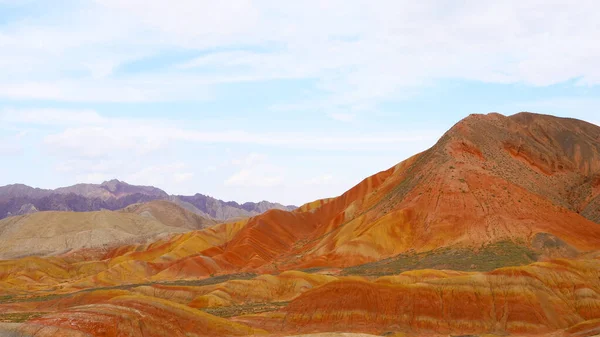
(493, 231)
(19, 199)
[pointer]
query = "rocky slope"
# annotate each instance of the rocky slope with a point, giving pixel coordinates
(21, 199)
(492, 232)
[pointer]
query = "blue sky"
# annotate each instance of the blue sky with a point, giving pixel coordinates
(284, 101)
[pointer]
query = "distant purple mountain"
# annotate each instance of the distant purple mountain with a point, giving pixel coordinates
(21, 199)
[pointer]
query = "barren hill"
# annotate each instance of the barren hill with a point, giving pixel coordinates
(169, 213)
(51, 233)
(527, 179)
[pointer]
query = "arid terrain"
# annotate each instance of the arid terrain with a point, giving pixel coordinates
(493, 231)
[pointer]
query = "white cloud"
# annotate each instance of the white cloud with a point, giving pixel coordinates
(105, 141)
(253, 178)
(132, 170)
(360, 53)
(343, 117)
(49, 116)
(181, 177)
(138, 89)
(8, 148)
(224, 59)
(92, 165)
(320, 180)
(251, 159)
(90, 135)
(100, 141)
(14, 2)
(161, 175)
(72, 91)
(93, 178)
(12, 142)
(304, 140)
(256, 171)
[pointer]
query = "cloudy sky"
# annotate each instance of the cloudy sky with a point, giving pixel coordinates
(287, 101)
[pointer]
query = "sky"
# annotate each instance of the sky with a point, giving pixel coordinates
(286, 101)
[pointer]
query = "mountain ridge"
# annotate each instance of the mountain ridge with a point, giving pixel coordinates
(19, 199)
(468, 189)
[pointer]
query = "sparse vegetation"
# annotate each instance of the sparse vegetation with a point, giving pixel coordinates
(490, 257)
(312, 270)
(207, 281)
(197, 283)
(28, 298)
(245, 309)
(5, 298)
(19, 317)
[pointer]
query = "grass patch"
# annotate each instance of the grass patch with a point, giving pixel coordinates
(19, 317)
(490, 257)
(209, 281)
(6, 298)
(313, 270)
(35, 297)
(244, 309)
